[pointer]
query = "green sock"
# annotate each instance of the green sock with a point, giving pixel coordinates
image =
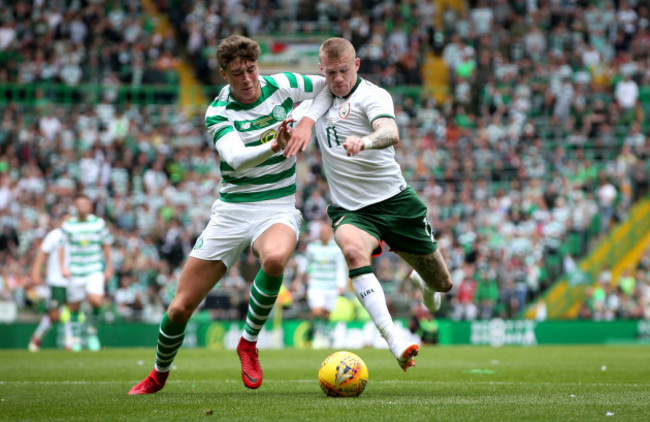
(93, 320)
(73, 323)
(263, 294)
(170, 339)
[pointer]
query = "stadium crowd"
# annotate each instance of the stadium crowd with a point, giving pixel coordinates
(541, 145)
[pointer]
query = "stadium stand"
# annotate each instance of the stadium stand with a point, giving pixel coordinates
(523, 125)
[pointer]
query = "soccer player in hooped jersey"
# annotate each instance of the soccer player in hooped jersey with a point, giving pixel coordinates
(87, 244)
(371, 201)
(257, 203)
(326, 279)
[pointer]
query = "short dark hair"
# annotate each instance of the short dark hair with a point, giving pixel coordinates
(237, 46)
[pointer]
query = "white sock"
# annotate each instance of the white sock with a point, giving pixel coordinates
(43, 326)
(67, 327)
(372, 297)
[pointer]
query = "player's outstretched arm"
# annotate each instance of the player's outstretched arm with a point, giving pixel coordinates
(233, 151)
(384, 136)
(302, 132)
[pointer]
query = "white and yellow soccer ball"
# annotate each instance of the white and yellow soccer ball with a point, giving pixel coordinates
(343, 374)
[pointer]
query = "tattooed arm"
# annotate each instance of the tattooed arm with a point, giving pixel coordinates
(384, 136)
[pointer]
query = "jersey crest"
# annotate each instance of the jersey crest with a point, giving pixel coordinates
(279, 113)
(344, 110)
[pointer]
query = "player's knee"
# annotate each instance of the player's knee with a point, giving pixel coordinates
(179, 312)
(354, 256)
(273, 264)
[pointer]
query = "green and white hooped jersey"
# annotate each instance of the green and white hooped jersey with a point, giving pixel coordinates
(85, 242)
(325, 265)
(256, 124)
(371, 176)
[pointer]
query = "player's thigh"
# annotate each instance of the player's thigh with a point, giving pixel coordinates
(95, 288)
(315, 299)
(329, 299)
(356, 233)
(275, 232)
(76, 292)
(197, 278)
(225, 237)
(277, 242)
(357, 244)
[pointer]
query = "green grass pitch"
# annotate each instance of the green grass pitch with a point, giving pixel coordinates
(453, 383)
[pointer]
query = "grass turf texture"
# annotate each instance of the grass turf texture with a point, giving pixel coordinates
(573, 383)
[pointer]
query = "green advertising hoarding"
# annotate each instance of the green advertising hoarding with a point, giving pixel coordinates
(353, 335)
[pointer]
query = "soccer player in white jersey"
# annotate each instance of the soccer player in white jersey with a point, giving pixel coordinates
(54, 280)
(257, 203)
(371, 201)
(326, 279)
(86, 261)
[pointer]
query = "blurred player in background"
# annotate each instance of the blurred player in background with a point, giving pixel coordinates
(371, 201)
(325, 273)
(54, 281)
(86, 261)
(256, 206)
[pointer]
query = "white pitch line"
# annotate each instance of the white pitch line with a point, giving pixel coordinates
(307, 381)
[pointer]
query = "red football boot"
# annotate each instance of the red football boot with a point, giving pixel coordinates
(251, 371)
(154, 382)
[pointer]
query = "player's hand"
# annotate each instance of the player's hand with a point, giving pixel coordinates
(108, 274)
(353, 145)
(36, 279)
(283, 135)
(299, 138)
(65, 273)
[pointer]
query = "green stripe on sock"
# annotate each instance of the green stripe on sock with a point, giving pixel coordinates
(168, 347)
(360, 271)
(263, 293)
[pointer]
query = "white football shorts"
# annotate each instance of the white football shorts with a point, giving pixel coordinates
(80, 287)
(235, 226)
(326, 299)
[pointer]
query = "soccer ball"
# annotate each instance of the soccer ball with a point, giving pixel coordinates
(343, 374)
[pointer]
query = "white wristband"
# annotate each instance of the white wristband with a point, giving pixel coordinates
(367, 143)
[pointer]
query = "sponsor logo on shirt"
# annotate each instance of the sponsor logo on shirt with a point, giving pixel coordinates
(267, 136)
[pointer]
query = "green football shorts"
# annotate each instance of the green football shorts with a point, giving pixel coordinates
(401, 221)
(58, 297)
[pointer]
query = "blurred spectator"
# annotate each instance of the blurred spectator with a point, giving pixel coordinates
(540, 136)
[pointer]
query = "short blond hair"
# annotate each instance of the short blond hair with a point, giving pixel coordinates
(336, 48)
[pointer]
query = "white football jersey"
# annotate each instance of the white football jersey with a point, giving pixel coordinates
(256, 124)
(52, 242)
(371, 176)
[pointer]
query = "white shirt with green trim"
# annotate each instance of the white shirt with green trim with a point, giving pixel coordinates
(85, 242)
(371, 176)
(51, 243)
(256, 124)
